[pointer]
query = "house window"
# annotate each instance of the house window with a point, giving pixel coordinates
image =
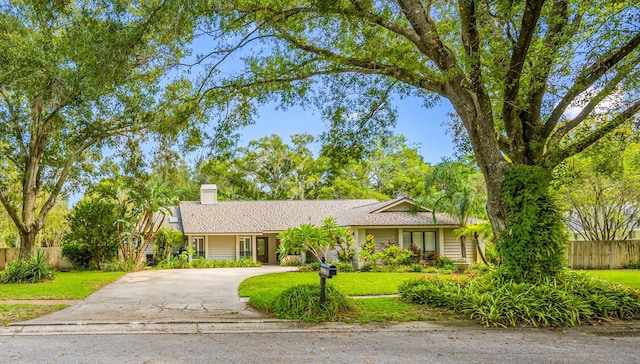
(197, 244)
(245, 247)
(425, 240)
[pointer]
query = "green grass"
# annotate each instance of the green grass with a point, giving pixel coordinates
(65, 286)
(351, 284)
(264, 291)
(628, 277)
(17, 313)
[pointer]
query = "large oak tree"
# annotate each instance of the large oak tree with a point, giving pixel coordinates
(73, 76)
(520, 75)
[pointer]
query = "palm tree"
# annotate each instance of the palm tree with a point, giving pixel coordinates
(457, 190)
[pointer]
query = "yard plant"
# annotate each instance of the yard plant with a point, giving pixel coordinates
(34, 270)
(302, 302)
(568, 300)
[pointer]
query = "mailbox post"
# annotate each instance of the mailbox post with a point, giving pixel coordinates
(326, 271)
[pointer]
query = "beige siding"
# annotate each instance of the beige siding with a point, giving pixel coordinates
(452, 246)
(221, 247)
(384, 236)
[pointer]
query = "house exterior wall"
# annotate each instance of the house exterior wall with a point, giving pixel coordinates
(221, 247)
(452, 246)
(383, 236)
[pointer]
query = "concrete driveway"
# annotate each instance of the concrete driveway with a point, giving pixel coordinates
(165, 296)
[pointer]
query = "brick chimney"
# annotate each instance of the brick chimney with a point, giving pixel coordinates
(208, 194)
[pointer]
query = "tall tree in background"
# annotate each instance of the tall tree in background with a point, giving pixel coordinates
(601, 188)
(74, 75)
(520, 75)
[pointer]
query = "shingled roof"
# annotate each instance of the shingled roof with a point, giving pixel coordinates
(247, 217)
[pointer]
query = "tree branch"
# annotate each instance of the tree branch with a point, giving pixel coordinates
(471, 40)
(554, 158)
(510, 116)
(569, 125)
(430, 42)
(589, 75)
(555, 37)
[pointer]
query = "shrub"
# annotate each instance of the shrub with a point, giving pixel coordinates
(416, 253)
(368, 250)
(120, 266)
(346, 255)
(291, 260)
(633, 265)
(34, 270)
(394, 255)
(433, 291)
(78, 254)
(367, 267)
(93, 223)
(200, 262)
(303, 303)
(416, 268)
(478, 268)
(568, 300)
(344, 267)
(431, 258)
(443, 262)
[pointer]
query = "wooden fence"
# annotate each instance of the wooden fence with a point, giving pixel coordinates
(55, 257)
(613, 254)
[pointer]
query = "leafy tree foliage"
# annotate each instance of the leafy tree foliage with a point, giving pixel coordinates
(317, 240)
(166, 240)
(93, 227)
(268, 168)
(74, 76)
(458, 190)
(521, 76)
(601, 189)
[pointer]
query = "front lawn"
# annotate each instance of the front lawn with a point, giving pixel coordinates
(628, 277)
(65, 286)
(264, 290)
(351, 284)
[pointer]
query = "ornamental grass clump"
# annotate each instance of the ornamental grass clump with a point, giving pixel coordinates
(302, 303)
(568, 300)
(34, 270)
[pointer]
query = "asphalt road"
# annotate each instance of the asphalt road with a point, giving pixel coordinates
(435, 345)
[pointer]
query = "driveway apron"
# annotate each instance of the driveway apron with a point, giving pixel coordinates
(165, 296)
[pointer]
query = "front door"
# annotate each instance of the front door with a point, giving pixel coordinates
(262, 249)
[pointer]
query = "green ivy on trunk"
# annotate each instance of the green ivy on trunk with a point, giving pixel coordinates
(534, 241)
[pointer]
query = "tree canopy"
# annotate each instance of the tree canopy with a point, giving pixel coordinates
(75, 76)
(521, 76)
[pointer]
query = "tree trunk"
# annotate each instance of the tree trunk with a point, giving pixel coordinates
(476, 241)
(463, 245)
(475, 112)
(27, 243)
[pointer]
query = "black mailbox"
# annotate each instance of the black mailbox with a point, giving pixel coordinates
(328, 270)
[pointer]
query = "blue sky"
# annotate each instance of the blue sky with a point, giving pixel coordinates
(421, 126)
